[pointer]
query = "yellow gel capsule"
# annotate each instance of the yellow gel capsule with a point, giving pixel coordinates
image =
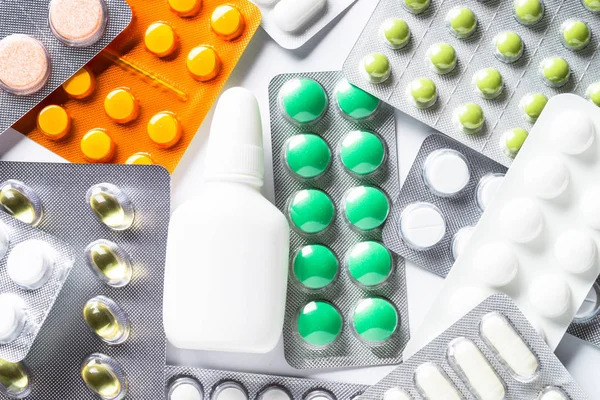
(20, 201)
(14, 379)
(140, 159)
(164, 129)
(203, 63)
(54, 122)
(227, 22)
(112, 206)
(185, 8)
(106, 319)
(97, 146)
(160, 39)
(80, 85)
(106, 259)
(121, 105)
(104, 377)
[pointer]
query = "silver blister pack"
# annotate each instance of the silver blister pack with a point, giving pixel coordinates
(55, 360)
(210, 383)
(586, 324)
(342, 292)
(31, 17)
(39, 301)
(433, 180)
(530, 371)
(520, 78)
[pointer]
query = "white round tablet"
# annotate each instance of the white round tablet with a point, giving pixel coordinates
(422, 226)
(274, 393)
(496, 264)
(460, 241)
(319, 395)
(4, 239)
(572, 132)
(229, 391)
(590, 307)
(550, 295)
(396, 394)
(464, 300)
(547, 176)
(521, 220)
(13, 317)
(589, 206)
(486, 189)
(446, 172)
(185, 389)
(575, 251)
(30, 264)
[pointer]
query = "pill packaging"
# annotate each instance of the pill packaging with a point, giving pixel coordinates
(459, 209)
(586, 325)
(255, 386)
(291, 24)
(157, 94)
(493, 352)
(37, 302)
(343, 293)
(55, 360)
(537, 240)
(455, 89)
(30, 17)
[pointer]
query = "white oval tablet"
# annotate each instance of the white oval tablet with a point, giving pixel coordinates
(464, 300)
(547, 176)
(291, 15)
(229, 391)
(521, 220)
(461, 240)
(575, 251)
(590, 306)
(486, 189)
(572, 132)
(552, 393)
(433, 383)
(396, 394)
(422, 226)
(274, 393)
(30, 264)
(550, 295)
(496, 264)
(446, 172)
(589, 206)
(4, 239)
(13, 317)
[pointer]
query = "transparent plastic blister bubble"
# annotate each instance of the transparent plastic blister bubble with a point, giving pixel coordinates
(341, 274)
(556, 29)
(34, 266)
(48, 57)
(586, 324)
(448, 183)
(107, 324)
(492, 352)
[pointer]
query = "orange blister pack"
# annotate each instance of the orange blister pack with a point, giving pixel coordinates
(143, 98)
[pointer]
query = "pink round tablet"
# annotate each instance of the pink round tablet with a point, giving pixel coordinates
(78, 23)
(24, 64)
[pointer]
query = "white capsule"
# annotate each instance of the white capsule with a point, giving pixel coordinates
(433, 383)
(291, 15)
(30, 264)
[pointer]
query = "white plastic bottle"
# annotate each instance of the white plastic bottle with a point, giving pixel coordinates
(227, 252)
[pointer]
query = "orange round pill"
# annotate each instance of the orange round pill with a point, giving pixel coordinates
(140, 158)
(121, 105)
(164, 129)
(54, 122)
(97, 146)
(160, 39)
(227, 22)
(185, 8)
(203, 63)
(80, 85)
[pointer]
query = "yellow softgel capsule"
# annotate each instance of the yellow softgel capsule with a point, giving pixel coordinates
(203, 63)
(164, 129)
(140, 159)
(97, 146)
(227, 22)
(80, 85)
(185, 8)
(121, 105)
(54, 122)
(160, 39)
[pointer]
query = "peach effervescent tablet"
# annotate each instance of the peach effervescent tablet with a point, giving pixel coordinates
(77, 23)
(24, 64)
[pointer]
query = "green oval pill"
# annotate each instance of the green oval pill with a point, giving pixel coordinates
(302, 100)
(576, 34)
(529, 12)
(375, 320)
(307, 155)
(416, 6)
(394, 33)
(315, 266)
(555, 71)
(319, 323)
(532, 105)
(509, 47)
(362, 152)
(461, 22)
(593, 93)
(366, 207)
(488, 83)
(375, 67)
(592, 5)
(512, 140)
(442, 58)
(311, 210)
(469, 118)
(355, 102)
(422, 92)
(369, 263)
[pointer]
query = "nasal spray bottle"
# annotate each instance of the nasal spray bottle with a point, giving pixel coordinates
(228, 248)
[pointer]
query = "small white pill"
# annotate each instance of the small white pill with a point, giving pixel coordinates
(422, 226)
(572, 132)
(30, 264)
(521, 220)
(475, 370)
(291, 15)
(500, 336)
(446, 172)
(319, 395)
(590, 306)
(589, 206)
(13, 317)
(464, 300)
(229, 391)
(550, 295)
(486, 189)
(396, 394)
(185, 391)
(552, 393)
(4, 239)
(461, 240)
(273, 393)
(575, 251)
(433, 383)
(496, 264)
(547, 176)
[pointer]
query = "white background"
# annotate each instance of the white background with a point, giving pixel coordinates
(262, 60)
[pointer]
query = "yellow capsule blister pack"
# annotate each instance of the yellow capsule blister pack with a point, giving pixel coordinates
(142, 99)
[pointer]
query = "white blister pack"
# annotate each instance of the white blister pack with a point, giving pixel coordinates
(538, 239)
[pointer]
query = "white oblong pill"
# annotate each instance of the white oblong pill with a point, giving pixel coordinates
(30, 264)
(475, 370)
(590, 307)
(500, 336)
(589, 206)
(575, 251)
(496, 264)
(433, 383)
(446, 172)
(552, 393)
(521, 220)
(422, 226)
(550, 295)
(13, 317)
(486, 189)
(572, 132)
(547, 176)
(464, 300)
(291, 15)
(396, 394)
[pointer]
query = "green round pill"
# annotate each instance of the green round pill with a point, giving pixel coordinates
(302, 101)
(592, 5)
(354, 102)
(374, 320)
(509, 47)
(576, 34)
(394, 33)
(469, 118)
(315, 266)
(593, 93)
(311, 210)
(512, 140)
(528, 12)
(461, 22)
(422, 92)
(307, 155)
(532, 105)
(369, 263)
(319, 323)
(555, 71)
(366, 207)
(416, 6)
(362, 152)
(488, 83)
(442, 58)
(375, 67)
